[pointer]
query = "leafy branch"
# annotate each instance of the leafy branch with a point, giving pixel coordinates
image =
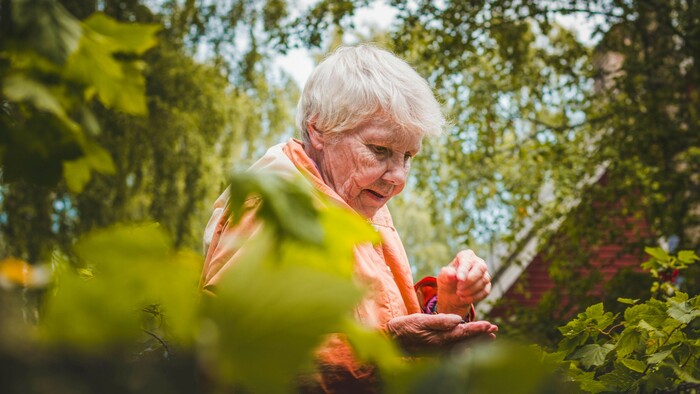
(607, 354)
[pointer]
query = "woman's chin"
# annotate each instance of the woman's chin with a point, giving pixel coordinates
(369, 204)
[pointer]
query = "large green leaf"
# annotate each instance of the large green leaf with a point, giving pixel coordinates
(683, 312)
(634, 365)
(77, 173)
(119, 83)
(398, 374)
(653, 311)
(133, 38)
(659, 356)
(51, 30)
(684, 374)
(130, 268)
(593, 354)
(21, 88)
(629, 341)
(291, 285)
(288, 289)
(586, 380)
(657, 253)
(270, 315)
(619, 380)
(342, 231)
(286, 205)
(687, 256)
(482, 368)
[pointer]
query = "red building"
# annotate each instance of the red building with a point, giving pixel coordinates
(523, 277)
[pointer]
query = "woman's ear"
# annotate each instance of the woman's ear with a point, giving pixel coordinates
(315, 137)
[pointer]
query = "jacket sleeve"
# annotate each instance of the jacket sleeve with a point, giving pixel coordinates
(224, 239)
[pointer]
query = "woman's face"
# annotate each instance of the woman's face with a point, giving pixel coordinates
(367, 166)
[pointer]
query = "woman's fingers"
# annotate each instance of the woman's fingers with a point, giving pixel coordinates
(475, 283)
(420, 332)
(468, 331)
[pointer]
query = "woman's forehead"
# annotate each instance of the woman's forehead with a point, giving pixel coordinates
(394, 136)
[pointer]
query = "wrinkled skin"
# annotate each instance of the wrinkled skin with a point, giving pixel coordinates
(460, 284)
(366, 166)
(421, 333)
(463, 282)
(369, 165)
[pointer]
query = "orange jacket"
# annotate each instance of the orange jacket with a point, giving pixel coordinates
(384, 268)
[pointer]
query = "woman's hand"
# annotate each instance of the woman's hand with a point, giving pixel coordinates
(463, 282)
(421, 332)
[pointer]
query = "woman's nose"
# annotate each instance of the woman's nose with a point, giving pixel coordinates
(396, 173)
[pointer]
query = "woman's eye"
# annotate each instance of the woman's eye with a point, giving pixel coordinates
(379, 149)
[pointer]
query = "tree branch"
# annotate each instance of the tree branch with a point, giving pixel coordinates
(162, 342)
(574, 10)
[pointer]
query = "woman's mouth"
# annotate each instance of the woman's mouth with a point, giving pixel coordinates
(376, 195)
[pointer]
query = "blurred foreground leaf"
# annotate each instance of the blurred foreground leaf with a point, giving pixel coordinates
(398, 373)
(52, 31)
(279, 301)
(131, 268)
(494, 367)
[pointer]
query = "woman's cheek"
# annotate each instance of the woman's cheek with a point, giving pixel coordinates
(369, 171)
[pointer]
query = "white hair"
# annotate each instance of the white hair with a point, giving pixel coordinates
(359, 84)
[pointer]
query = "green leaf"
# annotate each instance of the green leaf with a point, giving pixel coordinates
(131, 267)
(294, 277)
(569, 344)
(20, 88)
(619, 380)
(595, 311)
(687, 256)
(287, 205)
(657, 253)
(646, 326)
(592, 354)
(679, 297)
(652, 311)
(629, 341)
(268, 331)
(99, 158)
(634, 365)
(628, 301)
(113, 85)
(120, 83)
(77, 173)
(481, 368)
(586, 380)
(127, 37)
(682, 374)
(682, 312)
(371, 345)
(51, 30)
(659, 356)
(344, 230)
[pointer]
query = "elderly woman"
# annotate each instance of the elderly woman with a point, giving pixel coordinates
(363, 115)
